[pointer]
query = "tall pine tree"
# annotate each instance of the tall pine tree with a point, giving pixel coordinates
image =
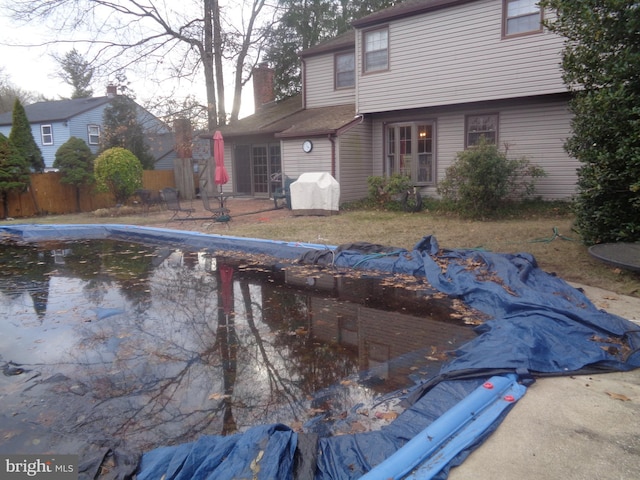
(22, 138)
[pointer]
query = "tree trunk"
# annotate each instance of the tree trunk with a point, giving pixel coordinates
(207, 63)
(217, 51)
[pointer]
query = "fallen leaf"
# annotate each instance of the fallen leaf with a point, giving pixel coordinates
(386, 415)
(618, 396)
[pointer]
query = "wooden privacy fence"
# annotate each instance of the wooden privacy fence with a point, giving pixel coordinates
(47, 196)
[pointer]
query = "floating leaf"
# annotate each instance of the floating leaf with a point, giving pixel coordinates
(218, 396)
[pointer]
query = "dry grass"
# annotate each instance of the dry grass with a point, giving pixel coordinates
(534, 234)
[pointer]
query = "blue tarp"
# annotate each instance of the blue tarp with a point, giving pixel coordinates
(539, 325)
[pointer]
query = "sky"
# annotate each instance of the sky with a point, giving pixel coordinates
(33, 69)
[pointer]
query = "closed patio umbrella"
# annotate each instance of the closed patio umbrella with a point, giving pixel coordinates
(221, 176)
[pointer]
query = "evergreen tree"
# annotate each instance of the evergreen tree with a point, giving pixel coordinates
(122, 129)
(601, 61)
(14, 171)
(77, 72)
(22, 138)
(75, 161)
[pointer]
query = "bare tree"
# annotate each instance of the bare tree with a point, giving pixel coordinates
(9, 93)
(183, 41)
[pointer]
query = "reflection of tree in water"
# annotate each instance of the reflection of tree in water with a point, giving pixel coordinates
(289, 313)
(26, 269)
(197, 356)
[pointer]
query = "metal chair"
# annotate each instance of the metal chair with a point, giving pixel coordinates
(170, 197)
(218, 214)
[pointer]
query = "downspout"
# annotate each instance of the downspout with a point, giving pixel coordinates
(332, 139)
(304, 82)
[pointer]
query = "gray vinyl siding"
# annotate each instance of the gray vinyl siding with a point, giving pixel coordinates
(319, 84)
(457, 55)
(354, 162)
(60, 136)
(295, 162)
(79, 125)
(535, 131)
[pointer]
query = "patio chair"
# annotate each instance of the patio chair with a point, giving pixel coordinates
(170, 197)
(218, 214)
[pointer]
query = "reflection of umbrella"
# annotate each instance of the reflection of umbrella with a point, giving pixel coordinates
(221, 176)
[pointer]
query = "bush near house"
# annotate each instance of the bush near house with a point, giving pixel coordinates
(118, 171)
(386, 191)
(74, 159)
(483, 178)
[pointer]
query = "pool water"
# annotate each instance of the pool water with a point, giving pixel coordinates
(117, 343)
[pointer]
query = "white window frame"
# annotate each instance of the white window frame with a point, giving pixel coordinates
(375, 46)
(90, 135)
(46, 137)
(478, 125)
(345, 77)
(521, 17)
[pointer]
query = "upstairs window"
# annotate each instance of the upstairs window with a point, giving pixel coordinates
(376, 50)
(521, 16)
(345, 70)
(46, 133)
(479, 126)
(93, 132)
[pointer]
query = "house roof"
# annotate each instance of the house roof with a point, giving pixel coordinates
(288, 119)
(58, 110)
(407, 8)
(341, 42)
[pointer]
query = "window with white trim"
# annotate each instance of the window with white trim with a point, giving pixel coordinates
(46, 133)
(410, 151)
(93, 132)
(376, 50)
(478, 126)
(345, 68)
(521, 16)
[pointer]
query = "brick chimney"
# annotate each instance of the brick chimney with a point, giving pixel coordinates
(263, 85)
(112, 91)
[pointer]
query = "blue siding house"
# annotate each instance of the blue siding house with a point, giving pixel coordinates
(53, 123)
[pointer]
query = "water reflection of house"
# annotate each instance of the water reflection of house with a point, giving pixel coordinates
(350, 312)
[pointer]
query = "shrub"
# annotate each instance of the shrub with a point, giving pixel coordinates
(483, 178)
(14, 171)
(75, 161)
(118, 171)
(385, 191)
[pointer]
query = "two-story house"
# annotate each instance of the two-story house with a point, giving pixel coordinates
(55, 122)
(406, 90)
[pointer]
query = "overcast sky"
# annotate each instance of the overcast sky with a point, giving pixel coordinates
(33, 69)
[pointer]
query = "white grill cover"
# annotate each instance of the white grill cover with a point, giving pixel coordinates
(315, 193)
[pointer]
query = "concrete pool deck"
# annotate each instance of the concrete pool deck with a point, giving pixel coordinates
(574, 427)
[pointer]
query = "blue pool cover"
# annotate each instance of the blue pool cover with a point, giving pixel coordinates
(539, 325)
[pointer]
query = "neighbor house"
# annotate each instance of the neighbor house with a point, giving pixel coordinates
(54, 122)
(406, 90)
